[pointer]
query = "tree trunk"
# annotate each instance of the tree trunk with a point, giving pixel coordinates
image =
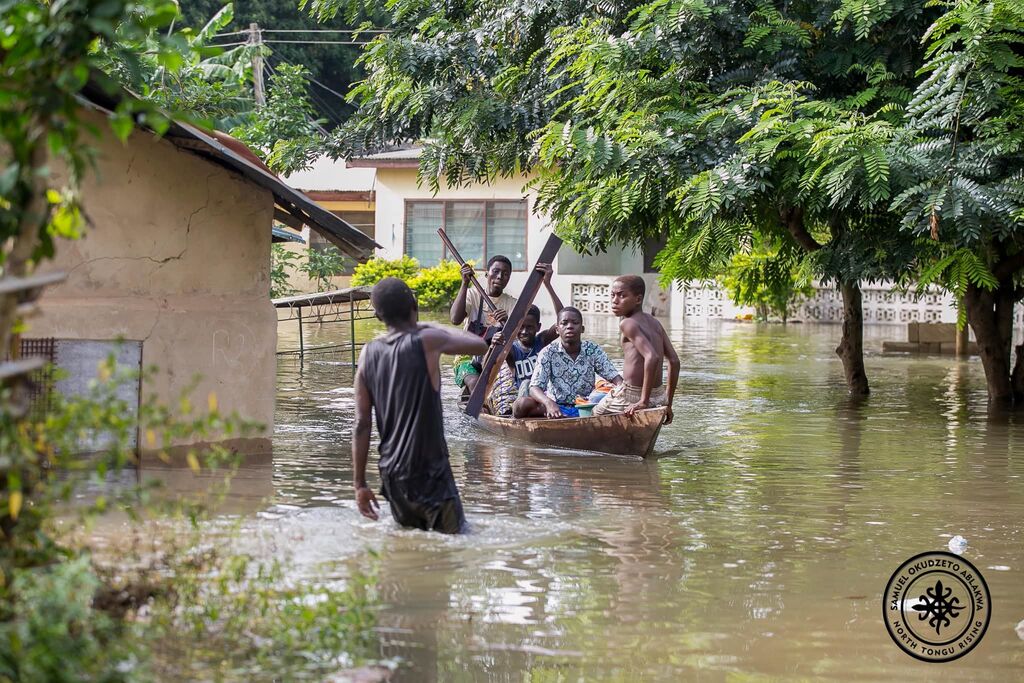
(990, 314)
(851, 348)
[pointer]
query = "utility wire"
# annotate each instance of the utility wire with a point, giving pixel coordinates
(330, 90)
(334, 115)
(305, 30)
(320, 42)
(271, 71)
(313, 80)
(324, 30)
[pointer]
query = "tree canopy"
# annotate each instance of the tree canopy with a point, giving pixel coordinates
(331, 64)
(717, 124)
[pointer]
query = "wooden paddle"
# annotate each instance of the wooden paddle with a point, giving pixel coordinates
(472, 278)
(496, 356)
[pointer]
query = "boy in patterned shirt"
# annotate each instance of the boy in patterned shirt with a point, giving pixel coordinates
(565, 369)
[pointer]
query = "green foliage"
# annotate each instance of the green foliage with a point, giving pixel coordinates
(769, 278)
(377, 268)
(49, 630)
(282, 264)
(323, 264)
(215, 87)
(65, 616)
(246, 619)
(49, 52)
(192, 78)
(283, 132)
(699, 121)
(436, 287)
(331, 64)
(955, 272)
(42, 466)
(961, 155)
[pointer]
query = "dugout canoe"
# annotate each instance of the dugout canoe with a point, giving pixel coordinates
(614, 434)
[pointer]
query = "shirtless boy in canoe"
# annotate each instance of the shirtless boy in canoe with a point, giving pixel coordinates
(645, 346)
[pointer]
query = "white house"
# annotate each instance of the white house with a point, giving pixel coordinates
(487, 219)
(501, 218)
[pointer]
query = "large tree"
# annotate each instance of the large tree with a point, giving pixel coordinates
(962, 158)
(700, 122)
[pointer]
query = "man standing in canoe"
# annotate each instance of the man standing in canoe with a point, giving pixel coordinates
(399, 378)
(645, 346)
(470, 307)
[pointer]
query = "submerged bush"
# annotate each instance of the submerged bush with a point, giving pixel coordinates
(245, 620)
(376, 269)
(436, 287)
(49, 630)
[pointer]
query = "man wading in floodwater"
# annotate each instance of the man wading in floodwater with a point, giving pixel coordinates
(399, 377)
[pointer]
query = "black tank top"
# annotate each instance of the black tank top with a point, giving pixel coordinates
(413, 452)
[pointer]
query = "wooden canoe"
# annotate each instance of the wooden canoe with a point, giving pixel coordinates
(615, 434)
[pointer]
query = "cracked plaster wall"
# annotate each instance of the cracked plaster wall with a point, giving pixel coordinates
(177, 255)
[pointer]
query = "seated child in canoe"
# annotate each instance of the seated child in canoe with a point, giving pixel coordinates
(513, 380)
(565, 369)
(645, 346)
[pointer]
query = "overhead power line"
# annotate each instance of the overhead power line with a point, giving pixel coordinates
(326, 106)
(329, 89)
(325, 30)
(313, 80)
(319, 42)
(271, 71)
(305, 30)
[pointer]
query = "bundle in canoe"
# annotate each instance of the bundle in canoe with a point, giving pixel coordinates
(615, 434)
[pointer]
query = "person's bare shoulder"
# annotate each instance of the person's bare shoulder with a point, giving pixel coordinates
(642, 324)
(655, 323)
(628, 327)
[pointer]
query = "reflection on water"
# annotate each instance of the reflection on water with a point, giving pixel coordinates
(755, 547)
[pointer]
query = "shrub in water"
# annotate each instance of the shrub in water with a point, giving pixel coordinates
(376, 269)
(436, 287)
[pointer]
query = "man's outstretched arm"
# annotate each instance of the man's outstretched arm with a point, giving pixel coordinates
(365, 500)
(451, 341)
(673, 372)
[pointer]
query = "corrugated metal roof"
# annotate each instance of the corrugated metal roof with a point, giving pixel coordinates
(295, 207)
(326, 174)
(398, 158)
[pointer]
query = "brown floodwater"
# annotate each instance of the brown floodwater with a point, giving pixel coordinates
(756, 546)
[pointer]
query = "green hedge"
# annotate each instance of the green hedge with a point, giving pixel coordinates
(376, 269)
(435, 287)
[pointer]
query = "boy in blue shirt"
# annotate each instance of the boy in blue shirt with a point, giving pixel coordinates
(513, 379)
